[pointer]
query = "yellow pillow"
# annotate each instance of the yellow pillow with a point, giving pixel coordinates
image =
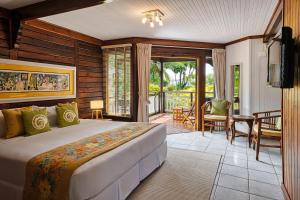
(14, 122)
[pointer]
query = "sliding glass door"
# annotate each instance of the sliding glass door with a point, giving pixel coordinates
(117, 62)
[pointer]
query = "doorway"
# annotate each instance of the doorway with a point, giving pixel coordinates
(172, 90)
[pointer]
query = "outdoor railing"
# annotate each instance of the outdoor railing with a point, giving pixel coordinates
(166, 101)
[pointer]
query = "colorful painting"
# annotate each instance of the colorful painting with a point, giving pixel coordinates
(19, 80)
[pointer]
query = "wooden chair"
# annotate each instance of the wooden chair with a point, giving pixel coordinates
(212, 120)
(189, 115)
(266, 125)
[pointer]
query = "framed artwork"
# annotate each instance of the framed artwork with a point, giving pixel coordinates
(28, 81)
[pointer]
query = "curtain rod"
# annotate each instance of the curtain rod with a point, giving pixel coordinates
(116, 46)
(157, 45)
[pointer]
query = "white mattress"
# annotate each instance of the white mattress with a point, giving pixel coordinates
(92, 177)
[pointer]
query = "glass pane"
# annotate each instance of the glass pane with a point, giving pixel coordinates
(154, 87)
(236, 90)
(209, 82)
(118, 64)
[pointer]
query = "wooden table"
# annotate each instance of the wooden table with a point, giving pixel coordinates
(241, 118)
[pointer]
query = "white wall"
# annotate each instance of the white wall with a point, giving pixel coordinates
(239, 54)
(255, 94)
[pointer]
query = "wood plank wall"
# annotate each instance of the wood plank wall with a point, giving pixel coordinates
(37, 45)
(291, 113)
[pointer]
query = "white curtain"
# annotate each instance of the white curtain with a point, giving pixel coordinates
(218, 56)
(143, 62)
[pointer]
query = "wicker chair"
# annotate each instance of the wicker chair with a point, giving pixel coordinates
(189, 115)
(266, 125)
(212, 120)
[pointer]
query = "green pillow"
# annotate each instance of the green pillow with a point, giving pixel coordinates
(67, 115)
(278, 123)
(35, 121)
(218, 107)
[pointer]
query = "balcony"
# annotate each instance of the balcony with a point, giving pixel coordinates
(164, 102)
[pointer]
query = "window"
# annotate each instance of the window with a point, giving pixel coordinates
(117, 62)
(209, 82)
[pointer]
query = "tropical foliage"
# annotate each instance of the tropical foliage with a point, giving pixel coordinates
(178, 76)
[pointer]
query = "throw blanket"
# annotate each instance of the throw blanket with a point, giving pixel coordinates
(48, 175)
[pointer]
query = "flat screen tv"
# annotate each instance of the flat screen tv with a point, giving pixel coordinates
(281, 59)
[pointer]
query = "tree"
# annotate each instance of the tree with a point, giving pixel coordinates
(184, 72)
(155, 70)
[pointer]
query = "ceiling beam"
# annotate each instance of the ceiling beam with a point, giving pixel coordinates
(275, 21)
(165, 43)
(244, 38)
(53, 7)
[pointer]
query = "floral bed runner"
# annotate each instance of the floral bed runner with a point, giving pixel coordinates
(48, 175)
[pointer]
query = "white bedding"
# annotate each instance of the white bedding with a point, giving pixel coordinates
(92, 177)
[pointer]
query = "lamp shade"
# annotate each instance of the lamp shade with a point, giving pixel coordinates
(97, 104)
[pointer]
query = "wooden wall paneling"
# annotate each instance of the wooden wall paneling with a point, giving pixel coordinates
(90, 76)
(40, 45)
(58, 30)
(291, 112)
(4, 26)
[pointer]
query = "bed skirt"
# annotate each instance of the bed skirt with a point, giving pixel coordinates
(119, 189)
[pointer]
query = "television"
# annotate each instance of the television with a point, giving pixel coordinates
(281, 59)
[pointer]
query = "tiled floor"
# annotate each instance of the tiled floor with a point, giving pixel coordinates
(172, 125)
(239, 176)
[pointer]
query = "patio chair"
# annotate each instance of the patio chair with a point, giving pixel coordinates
(266, 125)
(189, 115)
(215, 113)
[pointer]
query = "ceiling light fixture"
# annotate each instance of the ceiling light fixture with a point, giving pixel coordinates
(152, 16)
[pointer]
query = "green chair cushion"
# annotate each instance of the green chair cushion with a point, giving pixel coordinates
(67, 114)
(35, 121)
(218, 107)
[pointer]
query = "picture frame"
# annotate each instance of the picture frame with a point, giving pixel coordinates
(22, 81)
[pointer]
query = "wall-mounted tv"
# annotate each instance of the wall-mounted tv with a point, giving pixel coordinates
(281, 59)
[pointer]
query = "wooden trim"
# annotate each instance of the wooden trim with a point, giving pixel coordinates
(200, 90)
(244, 38)
(63, 31)
(285, 193)
(276, 14)
(52, 7)
(165, 42)
(134, 84)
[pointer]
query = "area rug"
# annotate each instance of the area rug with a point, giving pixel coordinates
(185, 175)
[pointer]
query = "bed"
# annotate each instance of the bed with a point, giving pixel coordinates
(112, 175)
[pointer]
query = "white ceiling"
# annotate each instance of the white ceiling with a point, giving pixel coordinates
(217, 21)
(12, 4)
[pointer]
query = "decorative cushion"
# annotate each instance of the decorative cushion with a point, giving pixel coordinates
(215, 117)
(267, 132)
(35, 121)
(278, 123)
(218, 107)
(14, 122)
(67, 114)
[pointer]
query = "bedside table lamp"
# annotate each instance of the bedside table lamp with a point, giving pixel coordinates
(96, 107)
